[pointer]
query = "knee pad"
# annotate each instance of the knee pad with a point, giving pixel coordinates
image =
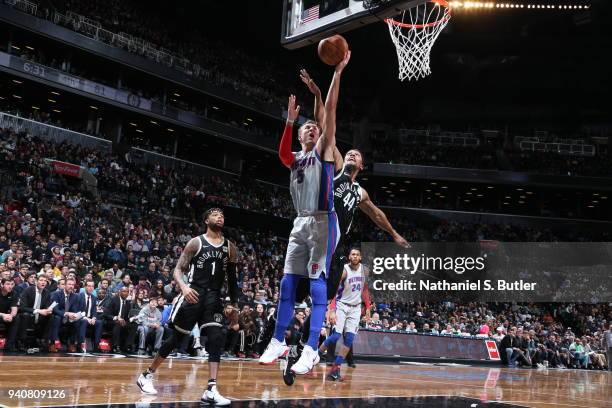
(318, 291)
(215, 342)
(348, 339)
(288, 285)
(170, 344)
(332, 339)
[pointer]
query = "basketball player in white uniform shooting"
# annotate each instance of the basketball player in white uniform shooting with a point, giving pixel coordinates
(315, 232)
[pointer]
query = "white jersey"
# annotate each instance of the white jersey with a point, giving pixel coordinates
(312, 183)
(350, 288)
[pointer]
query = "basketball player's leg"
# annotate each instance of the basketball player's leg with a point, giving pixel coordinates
(213, 325)
(350, 325)
(296, 262)
(183, 317)
(323, 240)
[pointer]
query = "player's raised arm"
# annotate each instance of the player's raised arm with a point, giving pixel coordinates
(284, 150)
(380, 219)
(182, 266)
(327, 141)
(319, 109)
(338, 159)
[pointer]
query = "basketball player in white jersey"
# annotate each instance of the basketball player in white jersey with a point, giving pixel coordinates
(315, 232)
(345, 309)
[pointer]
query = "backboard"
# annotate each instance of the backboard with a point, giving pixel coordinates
(308, 21)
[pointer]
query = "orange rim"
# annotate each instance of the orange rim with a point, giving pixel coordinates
(441, 3)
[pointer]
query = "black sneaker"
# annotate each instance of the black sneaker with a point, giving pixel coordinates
(334, 373)
(292, 356)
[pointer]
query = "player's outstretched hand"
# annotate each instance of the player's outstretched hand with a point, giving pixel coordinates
(401, 241)
(340, 67)
(310, 83)
(293, 112)
(190, 294)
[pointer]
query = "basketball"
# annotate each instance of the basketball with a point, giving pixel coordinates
(332, 49)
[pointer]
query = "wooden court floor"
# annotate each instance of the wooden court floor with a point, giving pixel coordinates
(105, 380)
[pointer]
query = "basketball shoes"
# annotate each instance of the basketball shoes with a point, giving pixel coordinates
(273, 352)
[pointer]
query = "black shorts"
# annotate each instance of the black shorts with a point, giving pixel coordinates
(208, 311)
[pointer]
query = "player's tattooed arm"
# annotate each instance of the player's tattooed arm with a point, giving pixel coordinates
(232, 278)
(182, 266)
(338, 159)
(319, 107)
(380, 219)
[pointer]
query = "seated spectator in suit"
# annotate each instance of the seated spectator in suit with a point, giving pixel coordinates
(35, 312)
(150, 321)
(8, 312)
(65, 314)
(117, 312)
(90, 322)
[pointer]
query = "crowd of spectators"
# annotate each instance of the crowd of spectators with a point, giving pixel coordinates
(537, 335)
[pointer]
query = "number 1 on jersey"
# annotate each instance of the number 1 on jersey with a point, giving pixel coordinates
(213, 270)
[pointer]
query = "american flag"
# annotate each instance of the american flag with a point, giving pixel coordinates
(310, 14)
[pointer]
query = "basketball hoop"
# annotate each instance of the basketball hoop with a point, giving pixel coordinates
(414, 33)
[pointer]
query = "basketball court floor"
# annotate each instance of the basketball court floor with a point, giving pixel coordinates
(107, 381)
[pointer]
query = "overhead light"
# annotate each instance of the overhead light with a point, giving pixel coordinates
(364, 178)
(468, 193)
(521, 202)
(249, 119)
(93, 107)
(17, 81)
(173, 100)
(508, 197)
(442, 196)
(153, 122)
(595, 201)
(55, 93)
(29, 48)
(407, 181)
(391, 195)
(245, 124)
(473, 189)
(57, 110)
(428, 190)
(604, 197)
(35, 107)
(438, 194)
(384, 187)
(529, 192)
(391, 183)
(176, 94)
(170, 130)
(402, 189)
(433, 183)
(595, 194)
(591, 206)
(139, 131)
(133, 124)
(215, 107)
(15, 47)
(480, 195)
(17, 96)
(52, 100)
(521, 196)
(466, 200)
(445, 187)
(489, 187)
(1, 97)
(519, 189)
(505, 203)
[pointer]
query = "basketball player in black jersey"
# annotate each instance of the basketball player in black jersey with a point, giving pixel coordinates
(348, 196)
(200, 274)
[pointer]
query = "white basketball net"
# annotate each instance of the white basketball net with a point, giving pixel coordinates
(414, 32)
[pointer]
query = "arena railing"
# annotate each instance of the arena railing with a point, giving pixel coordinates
(53, 133)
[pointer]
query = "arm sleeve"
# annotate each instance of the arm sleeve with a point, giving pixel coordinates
(365, 296)
(284, 150)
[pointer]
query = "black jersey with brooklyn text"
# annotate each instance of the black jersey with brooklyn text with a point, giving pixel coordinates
(209, 265)
(347, 196)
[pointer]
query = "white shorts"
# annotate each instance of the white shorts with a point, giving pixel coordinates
(347, 318)
(312, 243)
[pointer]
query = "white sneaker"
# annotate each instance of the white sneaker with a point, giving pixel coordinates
(274, 350)
(145, 383)
(212, 397)
(307, 361)
(202, 353)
